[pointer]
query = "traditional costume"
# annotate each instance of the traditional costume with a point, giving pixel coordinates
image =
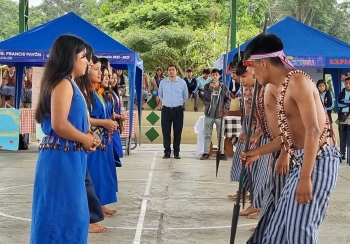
(60, 211)
(292, 222)
(102, 175)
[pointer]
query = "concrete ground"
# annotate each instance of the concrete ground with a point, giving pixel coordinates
(160, 201)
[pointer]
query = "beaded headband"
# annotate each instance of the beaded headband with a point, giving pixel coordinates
(280, 54)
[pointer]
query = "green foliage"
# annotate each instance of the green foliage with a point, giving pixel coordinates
(9, 19)
(189, 33)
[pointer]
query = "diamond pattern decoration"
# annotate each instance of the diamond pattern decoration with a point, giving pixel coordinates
(152, 118)
(152, 103)
(152, 134)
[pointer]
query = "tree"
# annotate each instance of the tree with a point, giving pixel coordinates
(52, 9)
(188, 33)
(9, 19)
(325, 15)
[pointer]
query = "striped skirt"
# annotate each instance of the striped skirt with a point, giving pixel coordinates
(260, 173)
(236, 166)
(298, 223)
(271, 194)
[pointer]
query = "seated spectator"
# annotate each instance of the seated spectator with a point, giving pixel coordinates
(192, 87)
(156, 81)
(26, 95)
(123, 83)
(8, 86)
(202, 81)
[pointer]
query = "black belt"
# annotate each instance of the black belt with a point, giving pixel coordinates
(173, 107)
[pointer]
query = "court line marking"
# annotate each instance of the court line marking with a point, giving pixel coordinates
(138, 233)
(145, 228)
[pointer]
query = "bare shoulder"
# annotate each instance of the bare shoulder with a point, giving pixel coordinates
(64, 86)
(301, 84)
(271, 89)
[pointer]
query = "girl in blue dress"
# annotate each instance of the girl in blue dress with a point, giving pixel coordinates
(60, 211)
(117, 144)
(103, 177)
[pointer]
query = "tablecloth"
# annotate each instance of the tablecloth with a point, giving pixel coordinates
(28, 124)
(232, 129)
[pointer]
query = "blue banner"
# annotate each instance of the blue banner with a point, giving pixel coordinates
(308, 61)
(14, 56)
(9, 130)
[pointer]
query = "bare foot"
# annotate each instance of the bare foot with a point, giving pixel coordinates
(252, 229)
(254, 215)
(104, 229)
(249, 210)
(108, 211)
(107, 215)
(93, 228)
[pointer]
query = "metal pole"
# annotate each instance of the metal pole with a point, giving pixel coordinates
(233, 24)
(23, 15)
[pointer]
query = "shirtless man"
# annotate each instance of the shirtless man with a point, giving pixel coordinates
(304, 127)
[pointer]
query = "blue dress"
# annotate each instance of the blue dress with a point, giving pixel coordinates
(109, 144)
(60, 211)
(117, 144)
(98, 162)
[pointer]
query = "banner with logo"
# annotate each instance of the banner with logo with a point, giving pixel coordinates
(9, 129)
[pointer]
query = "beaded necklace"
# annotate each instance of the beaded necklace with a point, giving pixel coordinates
(261, 114)
(282, 120)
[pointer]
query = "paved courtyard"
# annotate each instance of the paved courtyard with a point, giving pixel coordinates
(160, 201)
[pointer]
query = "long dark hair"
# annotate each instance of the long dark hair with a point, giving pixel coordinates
(84, 82)
(59, 66)
(95, 60)
(122, 79)
(115, 89)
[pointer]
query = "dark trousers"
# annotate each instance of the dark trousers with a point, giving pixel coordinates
(95, 209)
(343, 137)
(175, 117)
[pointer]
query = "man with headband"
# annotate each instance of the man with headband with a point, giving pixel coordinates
(304, 134)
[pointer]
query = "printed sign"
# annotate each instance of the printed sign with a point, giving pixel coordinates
(307, 61)
(9, 129)
(42, 56)
(39, 134)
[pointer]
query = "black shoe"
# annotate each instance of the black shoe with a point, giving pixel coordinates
(205, 156)
(343, 158)
(196, 109)
(177, 156)
(166, 155)
(223, 157)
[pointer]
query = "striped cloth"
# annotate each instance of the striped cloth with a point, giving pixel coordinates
(125, 133)
(27, 121)
(292, 222)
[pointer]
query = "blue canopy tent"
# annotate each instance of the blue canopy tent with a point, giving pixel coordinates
(32, 47)
(307, 47)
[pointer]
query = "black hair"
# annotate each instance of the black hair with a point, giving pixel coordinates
(235, 59)
(115, 89)
(347, 78)
(84, 82)
(122, 79)
(215, 71)
(262, 44)
(189, 70)
(171, 65)
(206, 71)
(319, 82)
(103, 68)
(345, 74)
(104, 61)
(59, 66)
(240, 68)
